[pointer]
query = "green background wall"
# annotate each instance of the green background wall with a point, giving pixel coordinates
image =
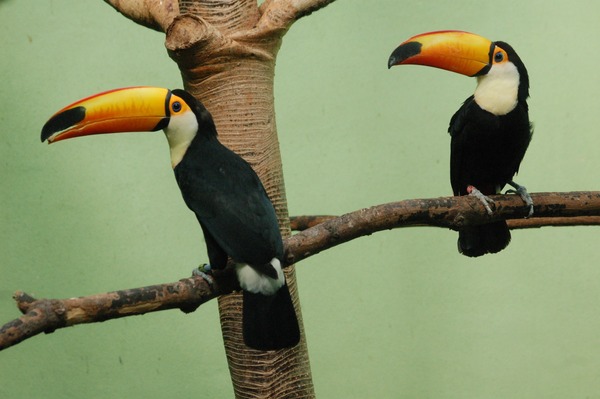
(396, 314)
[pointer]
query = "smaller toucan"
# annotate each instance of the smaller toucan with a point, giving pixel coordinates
(237, 218)
(490, 132)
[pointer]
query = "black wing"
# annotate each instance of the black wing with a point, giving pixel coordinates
(456, 131)
(230, 203)
(486, 149)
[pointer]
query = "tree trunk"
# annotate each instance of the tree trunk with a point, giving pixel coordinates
(231, 70)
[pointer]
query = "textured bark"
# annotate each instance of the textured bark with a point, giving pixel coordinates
(448, 212)
(301, 223)
(226, 50)
(231, 70)
(152, 14)
(46, 315)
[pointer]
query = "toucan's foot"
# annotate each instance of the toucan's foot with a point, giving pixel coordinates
(485, 200)
(522, 191)
(204, 271)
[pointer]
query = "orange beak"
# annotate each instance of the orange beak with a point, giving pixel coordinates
(456, 51)
(132, 109)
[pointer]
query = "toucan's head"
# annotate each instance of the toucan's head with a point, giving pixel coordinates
(502, 77)
(134, 109)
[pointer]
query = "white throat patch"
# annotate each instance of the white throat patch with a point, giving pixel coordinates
(497, 91)
(180, 132)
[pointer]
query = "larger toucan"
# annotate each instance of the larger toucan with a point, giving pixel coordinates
(230, 202)
(490, 132)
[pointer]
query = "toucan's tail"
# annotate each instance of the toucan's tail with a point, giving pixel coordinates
(269, 321)
(483, 239)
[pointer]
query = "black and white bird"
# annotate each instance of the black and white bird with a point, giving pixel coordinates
(490, 132)
(236, 216)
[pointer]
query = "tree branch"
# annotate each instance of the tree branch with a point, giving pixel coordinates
(47, 315)
(153, 14)
(279, 15)
(301, 223)
(449, 212)
(275, 15)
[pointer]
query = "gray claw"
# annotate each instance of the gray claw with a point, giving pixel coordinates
(522, 191)
(204, 272)
(485, 200)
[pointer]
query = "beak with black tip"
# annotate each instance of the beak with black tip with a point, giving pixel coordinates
(490, 132)
(456, 51)
(132, 109)
(230, 203)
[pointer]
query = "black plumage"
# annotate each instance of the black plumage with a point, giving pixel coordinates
(486, 151)
(227, 197)
(239, 221)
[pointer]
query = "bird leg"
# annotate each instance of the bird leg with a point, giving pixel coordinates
(522, 191)
(204, 271)
(485, 200)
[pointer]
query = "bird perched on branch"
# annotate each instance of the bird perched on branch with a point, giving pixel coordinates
(490, 132)
(230, 202)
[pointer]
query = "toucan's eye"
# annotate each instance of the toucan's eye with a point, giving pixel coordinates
(176, 106)
(498, 57)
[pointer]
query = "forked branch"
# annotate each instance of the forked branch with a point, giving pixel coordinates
(275, 15)
(47, 315)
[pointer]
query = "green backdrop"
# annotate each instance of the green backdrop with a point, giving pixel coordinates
(396, 314)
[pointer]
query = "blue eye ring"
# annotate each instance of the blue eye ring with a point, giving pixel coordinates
(176, 106)
(498, 57)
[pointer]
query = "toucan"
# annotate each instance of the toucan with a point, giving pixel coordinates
(236, 216)
(491, 130)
